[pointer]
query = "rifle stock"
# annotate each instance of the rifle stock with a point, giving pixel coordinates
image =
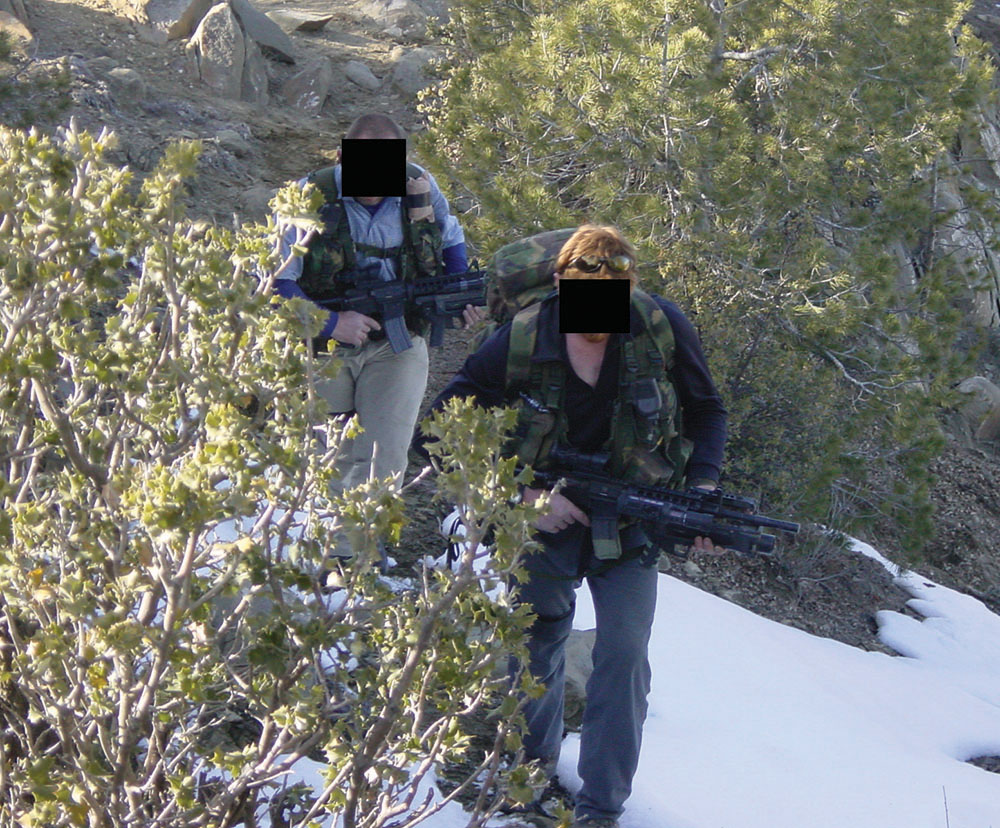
(668, 516)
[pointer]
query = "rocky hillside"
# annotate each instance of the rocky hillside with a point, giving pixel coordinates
(269, 87)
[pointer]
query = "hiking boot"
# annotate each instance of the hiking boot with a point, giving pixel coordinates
(595, 822)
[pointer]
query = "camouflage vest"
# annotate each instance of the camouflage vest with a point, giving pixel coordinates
(645, 444)
(330, 264)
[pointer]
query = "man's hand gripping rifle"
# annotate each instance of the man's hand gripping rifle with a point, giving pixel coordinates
(439, 300)
(668, 516)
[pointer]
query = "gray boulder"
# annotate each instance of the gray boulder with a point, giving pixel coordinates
(358, 73)
(217, 52)
(128, 82)
(410, 73)
(291, 20)
(102, 65)
(403, 15)
(177, 18)
(986, 410)
(232, 141)
(309, 88)
(15, 8)
(253, 203)
(254, 86)
(269, 35)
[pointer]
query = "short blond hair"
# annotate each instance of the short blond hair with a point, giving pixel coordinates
(595, 240)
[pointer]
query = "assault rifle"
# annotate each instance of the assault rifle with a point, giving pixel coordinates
(669, 517)
(438, 299)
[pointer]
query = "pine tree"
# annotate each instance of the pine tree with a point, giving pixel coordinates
(777, 166)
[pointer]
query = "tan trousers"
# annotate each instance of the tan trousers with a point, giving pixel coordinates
(385, 389)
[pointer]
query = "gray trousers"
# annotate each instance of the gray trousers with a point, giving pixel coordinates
(624, 599)
(386, 390)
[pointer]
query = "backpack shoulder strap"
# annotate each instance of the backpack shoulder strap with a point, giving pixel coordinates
(336, 227)
(326, 183)
(657, 326)
(523, 336)
(541, 419)
(656, 355)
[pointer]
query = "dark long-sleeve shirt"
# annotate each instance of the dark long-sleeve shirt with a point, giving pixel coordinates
(589, 410)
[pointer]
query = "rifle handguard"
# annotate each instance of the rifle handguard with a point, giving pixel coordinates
(669, 517)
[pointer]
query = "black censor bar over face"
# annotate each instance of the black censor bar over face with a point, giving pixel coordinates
(594, 306)
(373, 167)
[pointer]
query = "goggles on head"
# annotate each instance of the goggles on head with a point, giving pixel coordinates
(591, 264)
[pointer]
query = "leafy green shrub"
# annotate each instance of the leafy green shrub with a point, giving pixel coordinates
(166, 656)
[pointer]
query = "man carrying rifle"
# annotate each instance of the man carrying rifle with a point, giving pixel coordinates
(384, 220)
(643, 394)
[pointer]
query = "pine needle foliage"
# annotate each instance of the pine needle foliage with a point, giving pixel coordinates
(778, 165)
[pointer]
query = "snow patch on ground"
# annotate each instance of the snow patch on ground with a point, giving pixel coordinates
(757, 725)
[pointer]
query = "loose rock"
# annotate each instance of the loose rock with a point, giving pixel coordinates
(295, 21)
(692, 570)
(308, 89)
(231, 140)
(177, 18)
(405, 16)
(269, 35)
(102, 65)
(128, 82)
(359, 73)
(253, 203)
(410, 74)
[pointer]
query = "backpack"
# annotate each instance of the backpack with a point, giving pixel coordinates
(521, 272)
(519, 275)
